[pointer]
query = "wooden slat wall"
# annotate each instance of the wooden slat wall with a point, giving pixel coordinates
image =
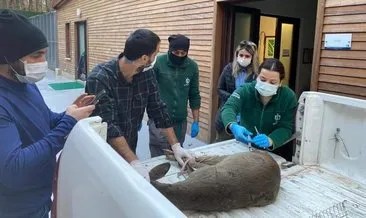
(344, 72)
(109, 24)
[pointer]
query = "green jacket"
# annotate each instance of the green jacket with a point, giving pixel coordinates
(276, 119)
(177, 85)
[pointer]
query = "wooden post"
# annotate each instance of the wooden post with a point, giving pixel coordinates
(317, 45)
(215, 66)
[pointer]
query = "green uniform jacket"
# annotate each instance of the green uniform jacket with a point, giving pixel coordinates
(177, 85)
(276, 119)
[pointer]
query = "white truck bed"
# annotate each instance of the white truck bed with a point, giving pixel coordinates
(94, 181)
(304, 191)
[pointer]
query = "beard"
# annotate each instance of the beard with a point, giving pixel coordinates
(149, 63)
(141, 68)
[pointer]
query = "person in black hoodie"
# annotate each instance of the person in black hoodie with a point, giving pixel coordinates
(243, 69)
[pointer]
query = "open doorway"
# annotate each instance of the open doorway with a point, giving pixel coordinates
(288, 36)
(81, 50)
(281, 30)
(276, 37)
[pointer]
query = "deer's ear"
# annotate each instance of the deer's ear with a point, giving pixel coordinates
(159, 171)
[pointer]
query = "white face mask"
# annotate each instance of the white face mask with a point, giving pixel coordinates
(244, 62)
(265, 89)
(151, 66)
(33, 72)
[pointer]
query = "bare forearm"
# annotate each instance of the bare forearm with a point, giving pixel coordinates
(196, 114)
(120, 145)
(169, 132)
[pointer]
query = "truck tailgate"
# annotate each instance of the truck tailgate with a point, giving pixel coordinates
(304, 191)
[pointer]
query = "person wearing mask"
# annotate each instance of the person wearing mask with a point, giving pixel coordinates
(130, 86)
(243, 69)
(31, 134)
(266, 108)
(178, 81)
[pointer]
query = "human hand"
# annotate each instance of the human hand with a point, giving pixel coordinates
(240, 133)
(195, 129)
(181, 153)
(84, 100)
(139, 167)
(79, 112)
(262, 141)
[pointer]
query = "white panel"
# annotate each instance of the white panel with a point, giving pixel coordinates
(334, 134)
(299, 123)
(311, 134)
(94, 181)
(347, 153)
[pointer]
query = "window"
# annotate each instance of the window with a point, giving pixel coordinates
(68, 43)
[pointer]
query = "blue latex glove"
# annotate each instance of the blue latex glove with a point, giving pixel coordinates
(139, 127)
(240, 133)
(195, 129)
(262, 141)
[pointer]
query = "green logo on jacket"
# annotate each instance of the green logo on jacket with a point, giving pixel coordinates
(187, 82)
(277, 118)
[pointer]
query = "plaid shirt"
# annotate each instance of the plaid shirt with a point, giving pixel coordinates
(124, 105)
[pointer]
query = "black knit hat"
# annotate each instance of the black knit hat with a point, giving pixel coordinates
(18, 37)
(178, 42)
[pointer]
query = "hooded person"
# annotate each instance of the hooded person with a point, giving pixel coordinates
(178, 49)
(178, 81)
(31, 134)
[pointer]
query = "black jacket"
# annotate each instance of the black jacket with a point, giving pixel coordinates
(225, 88)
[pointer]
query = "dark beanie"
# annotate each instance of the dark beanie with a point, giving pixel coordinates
(18, 37)
(178, 42)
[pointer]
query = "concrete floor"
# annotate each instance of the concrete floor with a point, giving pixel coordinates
(57, 101)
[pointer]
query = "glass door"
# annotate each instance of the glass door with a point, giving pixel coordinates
(82, 40)
(246, 26)
(241, 24)
(286, 50)
(81, 50)
(287, 32)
